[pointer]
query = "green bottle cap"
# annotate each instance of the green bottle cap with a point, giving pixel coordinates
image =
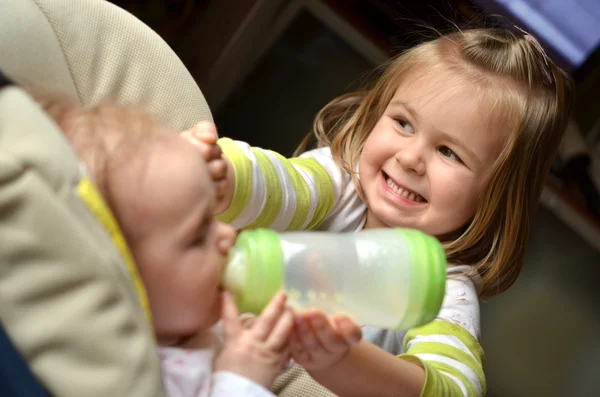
(255, 270)
(428, 273)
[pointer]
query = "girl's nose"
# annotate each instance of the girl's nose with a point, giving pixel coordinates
(411, 159)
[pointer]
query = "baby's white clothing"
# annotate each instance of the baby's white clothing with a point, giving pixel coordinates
(188, 373)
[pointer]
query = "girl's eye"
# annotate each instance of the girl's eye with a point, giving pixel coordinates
(406, 125)
(447, 152)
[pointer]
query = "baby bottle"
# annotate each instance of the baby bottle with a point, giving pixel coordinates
(387, 278)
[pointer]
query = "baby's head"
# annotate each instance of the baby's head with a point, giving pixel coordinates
(159, 189)
(456, 139)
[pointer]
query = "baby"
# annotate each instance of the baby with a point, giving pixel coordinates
(162, 197)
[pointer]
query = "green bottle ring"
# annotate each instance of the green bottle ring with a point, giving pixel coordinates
(264, 270)
(428, 273)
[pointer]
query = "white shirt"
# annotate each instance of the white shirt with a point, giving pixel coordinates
(188, 373)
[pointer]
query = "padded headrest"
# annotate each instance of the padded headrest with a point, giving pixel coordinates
(93, 50)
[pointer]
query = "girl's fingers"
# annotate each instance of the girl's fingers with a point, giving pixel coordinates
(220, 187)
(203, 147)
(347, 329)
(217, 169)
(204, 137)
(205, 131)
(297, 351)
(215, 152)
(327, 337)
(305, 334)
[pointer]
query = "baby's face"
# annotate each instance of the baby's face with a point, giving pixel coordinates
(179, 247)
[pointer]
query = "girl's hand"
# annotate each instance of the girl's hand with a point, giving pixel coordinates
(204, 137)
(319, 343)
(256, 349)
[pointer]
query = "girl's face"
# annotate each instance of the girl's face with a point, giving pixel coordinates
(179, 247)
(425, 163)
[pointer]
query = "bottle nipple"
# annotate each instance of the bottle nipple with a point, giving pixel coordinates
(234, 277)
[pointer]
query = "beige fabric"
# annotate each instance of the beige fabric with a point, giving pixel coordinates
(298, 383)
(93, 50)
(65, 296)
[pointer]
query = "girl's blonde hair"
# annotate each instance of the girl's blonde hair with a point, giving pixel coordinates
(525, 89)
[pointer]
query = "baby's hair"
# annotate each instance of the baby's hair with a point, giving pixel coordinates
(523, 88)
(108, 137)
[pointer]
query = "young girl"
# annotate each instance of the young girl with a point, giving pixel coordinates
(455, 139)
(149, 177)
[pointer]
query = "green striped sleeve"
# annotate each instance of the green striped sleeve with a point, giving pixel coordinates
(449, 354)
(293, 189)
(274, 191)
(242, 167)
(301, 191)
(324, 189)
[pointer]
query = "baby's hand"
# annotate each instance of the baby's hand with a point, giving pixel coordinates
(319, 343)
(257, 349)
(204, 137)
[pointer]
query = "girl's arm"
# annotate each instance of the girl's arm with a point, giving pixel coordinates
(264, 189)
(260, 188)
(367, 370)
(429, 368)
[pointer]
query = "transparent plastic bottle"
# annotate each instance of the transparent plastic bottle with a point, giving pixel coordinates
(388, 278)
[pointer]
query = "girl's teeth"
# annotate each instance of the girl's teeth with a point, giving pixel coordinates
(404, 193)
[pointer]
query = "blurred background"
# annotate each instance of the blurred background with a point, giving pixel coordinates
(267, 66)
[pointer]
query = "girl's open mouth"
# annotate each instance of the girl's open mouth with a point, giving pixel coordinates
(403, 191)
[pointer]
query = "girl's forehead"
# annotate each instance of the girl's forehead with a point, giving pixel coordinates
(424, 91)
(436, 77)
(490, 99)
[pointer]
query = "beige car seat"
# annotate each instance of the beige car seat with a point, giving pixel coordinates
(67, 299)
